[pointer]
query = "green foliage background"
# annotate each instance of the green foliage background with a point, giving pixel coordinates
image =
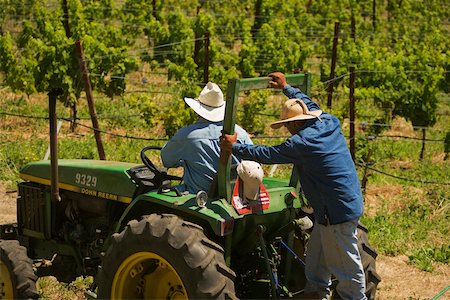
(399, 48)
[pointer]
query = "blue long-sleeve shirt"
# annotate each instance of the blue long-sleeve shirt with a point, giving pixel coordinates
(196, 148)
(326, 170)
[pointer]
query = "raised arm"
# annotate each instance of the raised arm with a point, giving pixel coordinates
(278, 81)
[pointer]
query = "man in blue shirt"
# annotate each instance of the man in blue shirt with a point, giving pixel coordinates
(196, 147)
(328, 177)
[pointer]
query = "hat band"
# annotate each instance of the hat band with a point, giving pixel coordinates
(211, 105)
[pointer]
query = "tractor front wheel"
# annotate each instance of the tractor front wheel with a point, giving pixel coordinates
(17, 279)
(164, 257)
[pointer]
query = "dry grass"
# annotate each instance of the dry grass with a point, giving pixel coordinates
(400, 280)
(50, 288)
(393, 197)
(400, 126)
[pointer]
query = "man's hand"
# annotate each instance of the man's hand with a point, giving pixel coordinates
(227, 141)
(277, 80)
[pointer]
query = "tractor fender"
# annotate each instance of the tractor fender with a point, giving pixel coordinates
(216, 218)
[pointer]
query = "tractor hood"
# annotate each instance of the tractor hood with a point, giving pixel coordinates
(104, 179)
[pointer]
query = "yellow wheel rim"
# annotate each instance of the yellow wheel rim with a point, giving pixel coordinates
(146, 275)
(6, 286)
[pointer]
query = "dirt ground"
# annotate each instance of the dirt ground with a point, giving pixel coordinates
(7, 205)
(400, 280)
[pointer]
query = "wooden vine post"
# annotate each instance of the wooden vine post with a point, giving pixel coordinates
(424, 135)
(65, 21)
(333, 64)
(206, 65)
(353, 27)
(352, 111)
(366, 174)
(90, 99)
(374, 18)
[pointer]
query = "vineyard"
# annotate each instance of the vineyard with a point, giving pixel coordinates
(382, 67)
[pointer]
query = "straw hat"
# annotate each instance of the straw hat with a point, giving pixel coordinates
(295, 110)
(210, 104)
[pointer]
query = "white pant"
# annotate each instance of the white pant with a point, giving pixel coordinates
(333, 250)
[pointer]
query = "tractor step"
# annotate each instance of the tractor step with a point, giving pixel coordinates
(8, 231)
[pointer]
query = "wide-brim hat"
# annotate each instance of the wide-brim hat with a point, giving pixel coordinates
(210, 104)
(295, 110)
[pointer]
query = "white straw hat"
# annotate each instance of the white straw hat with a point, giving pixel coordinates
(294, 110)
(210, 104)
(251, 174)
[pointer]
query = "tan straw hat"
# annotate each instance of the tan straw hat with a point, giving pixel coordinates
(295, 110)
(210, 104)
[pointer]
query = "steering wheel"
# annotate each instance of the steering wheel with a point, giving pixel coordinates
(160, 173)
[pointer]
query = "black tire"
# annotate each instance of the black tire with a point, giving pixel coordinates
(198, 262)
(368, 258)
(17, 279)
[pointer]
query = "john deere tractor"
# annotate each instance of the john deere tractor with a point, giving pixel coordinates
(128, 226)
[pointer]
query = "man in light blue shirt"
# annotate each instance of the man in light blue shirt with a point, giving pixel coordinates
(328, 177)
(196, 147)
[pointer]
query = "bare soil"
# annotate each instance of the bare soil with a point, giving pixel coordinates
(400, 280)
(7, 205)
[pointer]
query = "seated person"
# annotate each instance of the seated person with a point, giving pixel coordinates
(196, 146)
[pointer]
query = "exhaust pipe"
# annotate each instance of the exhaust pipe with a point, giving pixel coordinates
(52, 96)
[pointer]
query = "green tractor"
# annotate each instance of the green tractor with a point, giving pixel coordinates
(140, 238)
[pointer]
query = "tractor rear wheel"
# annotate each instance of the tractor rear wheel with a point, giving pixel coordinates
(368, 258)
(164, 257)
(17, 279)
